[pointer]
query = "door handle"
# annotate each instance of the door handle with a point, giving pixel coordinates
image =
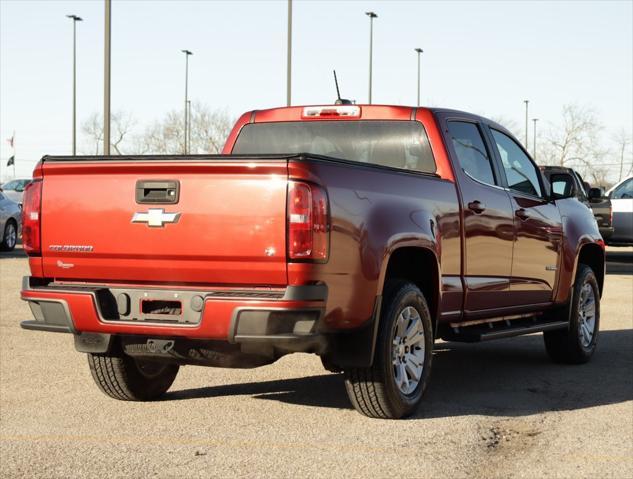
(476, 206)
(157, 191)
(521, 213)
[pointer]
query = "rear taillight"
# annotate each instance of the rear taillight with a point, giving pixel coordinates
(31, 218)
(308, 223)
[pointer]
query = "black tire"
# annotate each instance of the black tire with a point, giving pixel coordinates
(373, 391)
(568, 345)
(122, 377)
(329, 365)
(9, 236)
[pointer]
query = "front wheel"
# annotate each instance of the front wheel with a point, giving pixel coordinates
(577, 344)
(393, 386)
(127, 379)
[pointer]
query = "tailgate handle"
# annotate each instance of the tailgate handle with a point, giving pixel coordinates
(157, 191)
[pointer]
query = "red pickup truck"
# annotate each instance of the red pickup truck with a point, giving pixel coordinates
(360, 233)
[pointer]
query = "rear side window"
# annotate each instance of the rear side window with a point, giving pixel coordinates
(471, 151)
(520, 172)
(397, 144)
(562, 184)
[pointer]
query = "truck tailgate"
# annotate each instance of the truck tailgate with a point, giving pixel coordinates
(228, 225)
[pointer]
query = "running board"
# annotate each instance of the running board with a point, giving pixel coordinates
(508, 329)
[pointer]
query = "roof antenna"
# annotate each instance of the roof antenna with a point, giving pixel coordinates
(339, 100)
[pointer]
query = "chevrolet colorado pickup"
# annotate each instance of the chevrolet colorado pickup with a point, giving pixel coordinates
(360, 233)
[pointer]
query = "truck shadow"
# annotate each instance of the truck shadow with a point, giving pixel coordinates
(620, 262)
(505, 378)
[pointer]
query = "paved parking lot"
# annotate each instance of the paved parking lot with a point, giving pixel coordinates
(498, 409)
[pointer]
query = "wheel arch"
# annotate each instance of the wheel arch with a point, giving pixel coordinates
(420, 265)
(11, 219)
(592, 255)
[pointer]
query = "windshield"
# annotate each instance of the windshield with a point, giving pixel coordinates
(15, 185)
(397, 144)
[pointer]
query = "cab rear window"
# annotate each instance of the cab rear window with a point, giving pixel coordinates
(396, 144)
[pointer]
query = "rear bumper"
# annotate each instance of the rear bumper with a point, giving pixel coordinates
(289, 316)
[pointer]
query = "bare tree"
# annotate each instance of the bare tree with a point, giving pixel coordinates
(209, 130)
(164, 136)
(622, 140)
(122, 124)
(92, 128)
(575, 141)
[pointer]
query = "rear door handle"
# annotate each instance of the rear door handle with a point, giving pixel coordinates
(476, 206)
(521, 213)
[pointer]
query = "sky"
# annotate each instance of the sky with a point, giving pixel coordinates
(480, 56)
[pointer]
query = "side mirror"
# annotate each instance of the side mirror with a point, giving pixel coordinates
(595, 194)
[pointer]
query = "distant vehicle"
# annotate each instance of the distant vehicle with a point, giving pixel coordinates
(621, 196)
(568, 182)
(14, 189)
(10, 221)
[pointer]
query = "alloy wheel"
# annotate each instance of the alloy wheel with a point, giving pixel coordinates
(587, 315)
(10, 236)
(407, 351)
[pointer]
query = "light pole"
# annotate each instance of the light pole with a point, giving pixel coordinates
(371, 16)
(189, 123)
(534, 147)
(526, 122)
(419, 51)
(75, 19)
(289, 59)
(187, 54)
(106, 79)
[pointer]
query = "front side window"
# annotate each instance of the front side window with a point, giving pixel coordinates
(471, 151)
(624, 191)
(521, 173)
(397, 144)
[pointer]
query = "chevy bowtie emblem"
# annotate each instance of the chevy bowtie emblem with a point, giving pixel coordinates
(155, 217)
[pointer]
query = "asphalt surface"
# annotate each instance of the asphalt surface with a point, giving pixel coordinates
(493, 410)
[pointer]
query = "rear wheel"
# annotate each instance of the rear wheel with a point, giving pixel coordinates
(10, 236)
(393, 386)
(577, 344)
(127, 379)
(329, 365)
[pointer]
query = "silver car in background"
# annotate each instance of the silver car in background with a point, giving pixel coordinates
(621, 196)
(14, 189)
(10, 222)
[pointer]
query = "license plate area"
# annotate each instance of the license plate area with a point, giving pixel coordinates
(151, 306)
(161, 306)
